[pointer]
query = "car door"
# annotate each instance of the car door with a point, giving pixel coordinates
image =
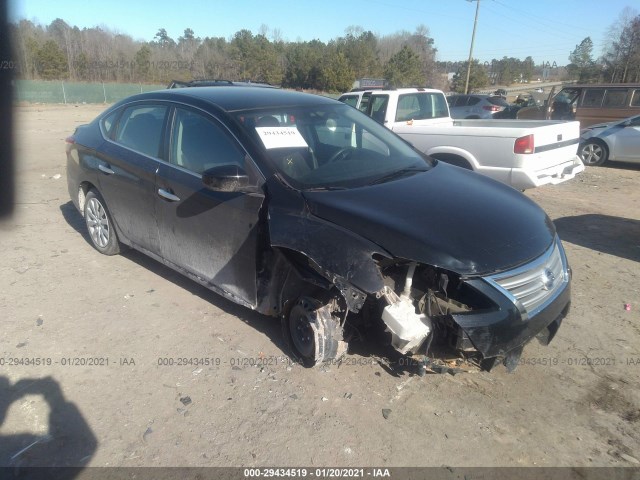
(128, 162)
(627, 143)
(210, 234)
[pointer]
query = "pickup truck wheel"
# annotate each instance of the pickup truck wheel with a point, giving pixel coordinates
(313, 334)
(593, 152)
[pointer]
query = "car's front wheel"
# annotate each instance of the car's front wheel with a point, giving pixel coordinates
(99, 224)
(313, 333)
(593, 152)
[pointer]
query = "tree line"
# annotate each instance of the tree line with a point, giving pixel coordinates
(61, 51)
(620, 62)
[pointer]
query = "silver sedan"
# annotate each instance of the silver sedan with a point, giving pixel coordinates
(619, 140)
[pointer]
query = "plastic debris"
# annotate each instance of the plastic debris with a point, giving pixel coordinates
(185, 400)
(39, 321)
(146, 433)
(627, 307)
(57, 176)
(386, 412)
(324, 399)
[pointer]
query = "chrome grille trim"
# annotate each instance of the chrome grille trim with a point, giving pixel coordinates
(535, 285)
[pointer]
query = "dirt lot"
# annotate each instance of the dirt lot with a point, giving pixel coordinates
(573, 403)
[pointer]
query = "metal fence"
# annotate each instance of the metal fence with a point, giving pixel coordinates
(39, 91)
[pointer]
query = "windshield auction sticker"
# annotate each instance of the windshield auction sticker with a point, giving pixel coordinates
(280, 137)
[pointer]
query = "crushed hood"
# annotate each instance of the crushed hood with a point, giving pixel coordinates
(447, 217)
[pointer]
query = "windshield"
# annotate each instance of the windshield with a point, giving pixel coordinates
(330, 146)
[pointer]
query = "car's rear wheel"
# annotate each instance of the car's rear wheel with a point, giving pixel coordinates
(593, 152)
(99, 224)
(314, 335)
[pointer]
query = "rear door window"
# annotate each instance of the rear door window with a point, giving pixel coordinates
(140, 128)
(615, 97)
(420, 106)
(593, 97)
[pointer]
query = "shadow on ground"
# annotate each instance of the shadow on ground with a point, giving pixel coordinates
(612, 235)
(267, 325)
(69, 442)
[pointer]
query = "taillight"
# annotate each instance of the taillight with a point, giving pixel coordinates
(523, 145)
(70, 139)
(491, 108)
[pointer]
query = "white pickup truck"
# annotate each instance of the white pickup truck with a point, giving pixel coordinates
(521, 153)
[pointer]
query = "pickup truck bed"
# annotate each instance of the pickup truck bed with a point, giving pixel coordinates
(523, 154)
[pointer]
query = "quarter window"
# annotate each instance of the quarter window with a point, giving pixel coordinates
(108, 123)
(198, 144)
(140, 128)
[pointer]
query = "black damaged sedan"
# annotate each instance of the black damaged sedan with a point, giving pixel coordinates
(302, 208)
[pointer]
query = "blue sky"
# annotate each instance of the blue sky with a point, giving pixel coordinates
(548, 30)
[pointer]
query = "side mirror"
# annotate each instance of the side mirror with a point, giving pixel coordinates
(225, 178)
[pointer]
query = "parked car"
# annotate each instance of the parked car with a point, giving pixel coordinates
(589, 104)
(523, 100)
(611, 141)
(303, 208)
(476, 106)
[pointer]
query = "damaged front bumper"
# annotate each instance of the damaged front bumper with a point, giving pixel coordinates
(494, 315)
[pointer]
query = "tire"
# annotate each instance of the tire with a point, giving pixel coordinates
(100, 225)
(593, 152)
(312, 333)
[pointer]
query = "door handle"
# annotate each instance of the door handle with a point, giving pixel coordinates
(105, 169)
(168, 195)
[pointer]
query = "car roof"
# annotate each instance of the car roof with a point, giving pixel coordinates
(235, 98)
(378, 91)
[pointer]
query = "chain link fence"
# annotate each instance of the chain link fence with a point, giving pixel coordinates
(39, 91)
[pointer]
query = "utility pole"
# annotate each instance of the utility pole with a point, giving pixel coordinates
(473, 37)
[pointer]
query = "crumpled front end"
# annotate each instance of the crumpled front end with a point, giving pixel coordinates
(492, 317)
